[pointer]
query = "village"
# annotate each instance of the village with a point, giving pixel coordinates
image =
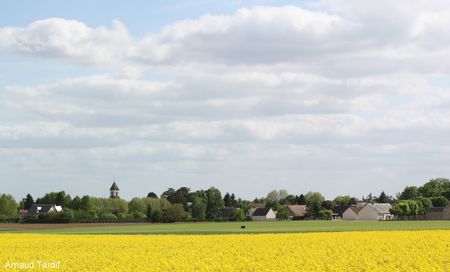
(209, 205)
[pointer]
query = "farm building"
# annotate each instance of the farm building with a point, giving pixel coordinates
(378, 211)
(250, 211)
(296, 212)
(44, 209)
(438, 213)
(263, 214)
(338, 211)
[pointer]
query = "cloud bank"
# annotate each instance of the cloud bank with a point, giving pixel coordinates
(339, 98)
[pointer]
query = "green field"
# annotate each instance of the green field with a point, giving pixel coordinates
(234, 227)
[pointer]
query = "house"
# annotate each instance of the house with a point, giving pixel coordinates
(263, 214)
(384, 211)
(296, 212)
(338, 211)
(438, 213)
(44, 209)
(352, 212)
(378, 211)
(250, 211)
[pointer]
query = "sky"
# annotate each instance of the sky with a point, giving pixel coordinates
(341, 97)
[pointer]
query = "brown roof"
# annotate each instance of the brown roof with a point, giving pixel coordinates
(297, 210)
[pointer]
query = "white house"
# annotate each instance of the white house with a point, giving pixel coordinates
(44, 209)
(263, 214)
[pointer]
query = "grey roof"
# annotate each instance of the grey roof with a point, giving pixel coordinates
(340, 209)
(357, 209)
(383, 207)
(114, 187)
(261, 212)
(45, 208)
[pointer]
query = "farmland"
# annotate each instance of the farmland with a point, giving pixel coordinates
(331, 251)
(225, 227)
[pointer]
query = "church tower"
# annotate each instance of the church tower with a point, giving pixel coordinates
(114, 190)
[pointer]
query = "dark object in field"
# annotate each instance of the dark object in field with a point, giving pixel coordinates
(242, 227)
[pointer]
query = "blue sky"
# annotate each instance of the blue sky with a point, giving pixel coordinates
(341, 97)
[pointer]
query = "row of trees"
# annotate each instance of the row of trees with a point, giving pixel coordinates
(183, 204)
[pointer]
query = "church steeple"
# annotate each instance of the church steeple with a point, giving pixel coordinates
(114, 190)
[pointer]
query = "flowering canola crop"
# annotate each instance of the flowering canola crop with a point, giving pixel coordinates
(344, 251)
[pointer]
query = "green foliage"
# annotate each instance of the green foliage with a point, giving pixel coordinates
(401, 208)
(137, 205)
(152, 195)
(27, 202)
(410, 192)
(199, 208)
(137, 215)
(229, 200)
(214, 202)
(8, 207)
(314, 201)
(57, 198)
(439, 201)
(182, 196)
(383, 198)
(343, 200)
(435, 188)
(282, 213)
(108, 205)
(325, 213)
(76, 203)
(425, 201)
(408, 208)
(86, 204)
(237, 215)
(175, 212)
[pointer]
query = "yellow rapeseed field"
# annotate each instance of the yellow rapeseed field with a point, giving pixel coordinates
(345, 251)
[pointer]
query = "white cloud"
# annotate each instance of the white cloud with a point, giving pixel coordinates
(61, 38)
(264, 95)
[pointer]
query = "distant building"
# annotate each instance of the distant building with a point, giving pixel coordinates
(377, 211)
(114, 190)
(43, 209)
(438, 213)
(338, 211)
(263, 214)
(296, 212)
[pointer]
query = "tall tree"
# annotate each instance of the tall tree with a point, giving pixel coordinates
(27, 202)
(152, 195)
(8, 207)
(383, 198)
(199, 208)
(233, 200)
(301, 200)
(314, 201)
(435, 187)
(410, 192)
(227, 200)
(214, 203)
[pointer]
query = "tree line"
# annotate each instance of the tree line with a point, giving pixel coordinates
(182, 204)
